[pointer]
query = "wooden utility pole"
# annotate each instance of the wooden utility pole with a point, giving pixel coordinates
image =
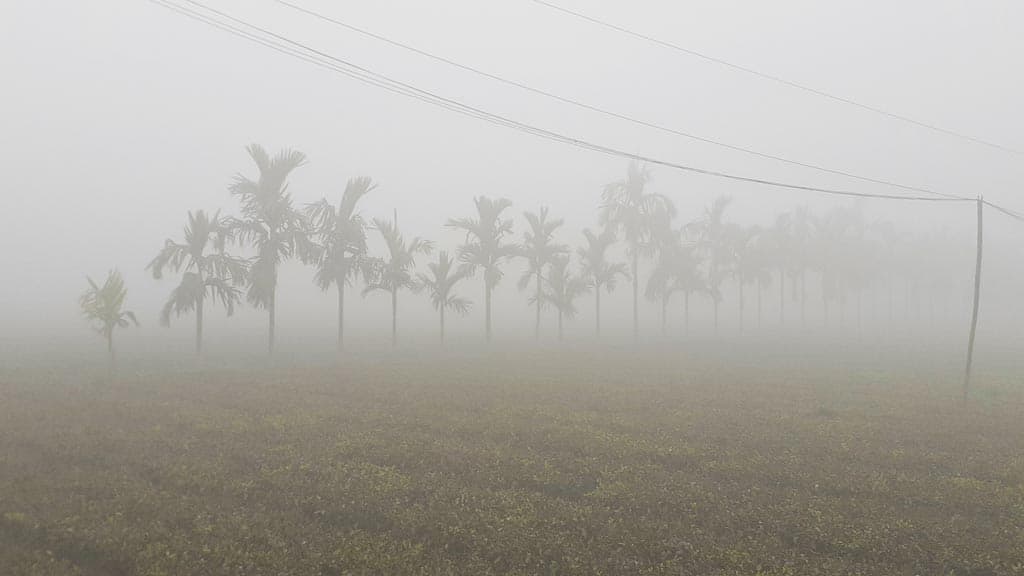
(977, 295)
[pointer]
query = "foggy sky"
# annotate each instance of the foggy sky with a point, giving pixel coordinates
(119, 116)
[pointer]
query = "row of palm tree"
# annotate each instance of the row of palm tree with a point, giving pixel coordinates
(699, 257)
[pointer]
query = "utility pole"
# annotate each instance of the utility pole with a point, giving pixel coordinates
(977, 295)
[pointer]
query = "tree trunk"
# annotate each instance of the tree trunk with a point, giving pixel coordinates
(741, 306)
(536, 326)
(559, 325)
(199, 327)
(597, 309)
(271, 311)
(686, 312)
(760, 290)
(341, 315)
(394, 317)
(782, 295)
(111, 359)
(716, 315)
(487, 306)
(803, 299)
(664, 315)
(636, 288)
(442, 325)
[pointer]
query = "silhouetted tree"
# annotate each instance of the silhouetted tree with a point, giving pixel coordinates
(749, 263)
(486, 246)
(270, 224)
(206, 273)
(103, 306)
(562, 288)
(441, 282)
(339, 244)
(676, 270)
(396, 272)
(540, 250)
(628, 208)
(712, 240)
(597, 270)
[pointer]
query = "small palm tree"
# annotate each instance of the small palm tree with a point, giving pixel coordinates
(628, 208)
(562, 289)
(396, 273)
(540, 250)
(441, 283)
(103, 306)
(339, 243)
(270, 224)
(215, 274)
(486, 245)
(597, 270)
(749, 262)
(675, 270)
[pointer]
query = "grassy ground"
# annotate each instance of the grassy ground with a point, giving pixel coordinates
(584, 462)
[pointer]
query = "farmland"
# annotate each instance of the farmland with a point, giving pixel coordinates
(606, 461)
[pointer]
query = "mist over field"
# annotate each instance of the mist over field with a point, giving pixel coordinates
(517, 287)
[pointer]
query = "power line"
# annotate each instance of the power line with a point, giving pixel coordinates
(776, 79)
(598, 109)
(361, 74)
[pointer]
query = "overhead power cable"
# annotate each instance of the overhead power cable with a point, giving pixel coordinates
(600, 110)
(322, 59)
(776, 79)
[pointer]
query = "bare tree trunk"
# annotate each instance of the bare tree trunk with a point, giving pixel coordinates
(442, 325)
(597, 309)
(536, 327)
(686, 312)
(341, 315)
(716, 315)
(487, 306)
(782, 295)
(111, 358)
(636, 288)
(741, 305)
(199, 327)
(394, 317)
(272, 311)
(664, 315)
(559, 325)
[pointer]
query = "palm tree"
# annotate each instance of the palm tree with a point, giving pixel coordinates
(485, 246)
(213, 274)
(675, 270)
(339, 243)
(629, 209)
(540, 251)
(562, 288)
(440, 283)
(396, 273)
(713, 242)
(749, 263)
(597, 270)
(103, 306)
(270, 224)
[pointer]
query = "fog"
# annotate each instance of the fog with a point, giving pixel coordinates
(120, 118)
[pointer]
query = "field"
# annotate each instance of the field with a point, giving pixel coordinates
(578, 462)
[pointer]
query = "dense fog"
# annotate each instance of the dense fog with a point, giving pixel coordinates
(119, 120)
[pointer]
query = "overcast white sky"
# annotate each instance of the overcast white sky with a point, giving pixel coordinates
(118, 116)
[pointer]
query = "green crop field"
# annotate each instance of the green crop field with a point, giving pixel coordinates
(580, 462)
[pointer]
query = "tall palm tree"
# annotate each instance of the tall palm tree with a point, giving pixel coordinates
(562, 288)
(629, 209)
(540, 250)
(441, 283)
(713, 242)
(215, 273)
(339, 243)
(486, 246)
(271, 224)
(675, 270)
(103, 306)
(749, 264)
(597, 270)
(397, 272)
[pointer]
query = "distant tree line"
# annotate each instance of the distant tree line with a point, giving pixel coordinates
(707, 256)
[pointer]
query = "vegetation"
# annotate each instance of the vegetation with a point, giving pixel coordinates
(396, 273)
(696, 461)
(103, 307)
